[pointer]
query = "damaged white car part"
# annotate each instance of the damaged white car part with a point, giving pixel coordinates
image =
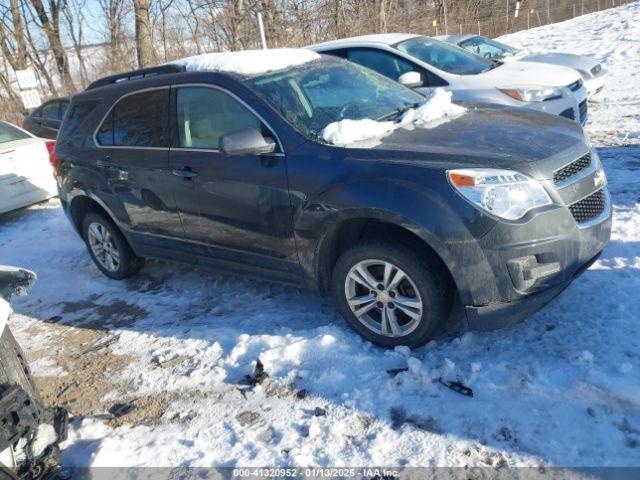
(29, 433)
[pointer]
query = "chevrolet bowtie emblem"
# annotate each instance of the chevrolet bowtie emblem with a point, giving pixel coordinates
(600, 178)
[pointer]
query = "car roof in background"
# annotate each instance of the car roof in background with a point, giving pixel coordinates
(381, 38)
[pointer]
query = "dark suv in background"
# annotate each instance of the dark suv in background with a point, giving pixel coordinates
(497, 210)
(45, 120)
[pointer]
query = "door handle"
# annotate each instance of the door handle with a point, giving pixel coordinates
(187, 173)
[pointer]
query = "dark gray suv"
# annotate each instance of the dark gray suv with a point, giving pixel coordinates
(497, 210)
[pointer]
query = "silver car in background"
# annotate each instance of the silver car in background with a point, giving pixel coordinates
(590, 69)
(425, 63)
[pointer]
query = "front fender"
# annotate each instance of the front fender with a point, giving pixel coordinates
(434, 213)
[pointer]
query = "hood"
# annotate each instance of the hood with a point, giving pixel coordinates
(523, 74)
(577, 62)
(12, 280)
(531, 142)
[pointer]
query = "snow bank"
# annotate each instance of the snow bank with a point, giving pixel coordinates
(5, 309)
(437, 108)
(248, 62)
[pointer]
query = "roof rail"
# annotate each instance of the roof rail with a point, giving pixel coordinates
(136, 74)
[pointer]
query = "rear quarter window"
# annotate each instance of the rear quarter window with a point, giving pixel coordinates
(72, 130)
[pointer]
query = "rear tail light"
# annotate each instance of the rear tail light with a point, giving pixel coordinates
(53, 157)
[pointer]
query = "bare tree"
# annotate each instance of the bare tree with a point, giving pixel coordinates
(12, 40)
(144, 36)
(49, 22)
(75, 20)
(114, 12)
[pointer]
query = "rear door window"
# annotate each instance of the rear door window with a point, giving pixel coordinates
(50, 111)
(64, 105)
(206, 114)
(137, 120)
(386, 63)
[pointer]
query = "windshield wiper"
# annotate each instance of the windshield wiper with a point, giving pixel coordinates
(399, 111)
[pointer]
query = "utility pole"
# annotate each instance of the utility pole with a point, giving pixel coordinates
(263, 39)
(506, 28)
(446, 27)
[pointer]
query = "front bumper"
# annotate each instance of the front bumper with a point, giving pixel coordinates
(596, 84)
(518, 267)
(568, 106)
(500, 315)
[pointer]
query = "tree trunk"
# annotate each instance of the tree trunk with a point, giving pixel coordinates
(51, 27)
(144, 42)
(22, 56)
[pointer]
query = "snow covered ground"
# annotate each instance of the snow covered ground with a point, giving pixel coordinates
(613, 36)
(562, 388)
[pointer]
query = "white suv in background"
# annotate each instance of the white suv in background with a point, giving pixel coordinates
(424, 63)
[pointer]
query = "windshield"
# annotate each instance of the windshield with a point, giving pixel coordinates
(9, 133)
(488, 48)
(444, 56)
(313, 95)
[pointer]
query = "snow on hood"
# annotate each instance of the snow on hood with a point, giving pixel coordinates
(437, 108)
(523, 73)
(248, 62)
(350, 131)
(5, 310)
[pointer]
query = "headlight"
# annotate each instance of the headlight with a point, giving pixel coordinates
(533, 94)
(503, 193)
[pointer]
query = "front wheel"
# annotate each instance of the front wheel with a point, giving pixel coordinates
(109, 249)
(390, 295)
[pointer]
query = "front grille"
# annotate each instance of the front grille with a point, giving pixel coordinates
(575, 85)
(583, 111)
(573, 169)
(588, 208)
(568, 113)
(596, 70)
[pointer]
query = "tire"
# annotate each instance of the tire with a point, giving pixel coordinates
(414, 308)
(128, 263)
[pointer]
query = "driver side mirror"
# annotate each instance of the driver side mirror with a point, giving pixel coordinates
(411, 79)
(248, 141)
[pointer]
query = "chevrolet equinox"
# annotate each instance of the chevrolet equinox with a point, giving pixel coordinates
(220, 160)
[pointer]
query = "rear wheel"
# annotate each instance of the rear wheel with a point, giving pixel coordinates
(390, 295)
(109, 249)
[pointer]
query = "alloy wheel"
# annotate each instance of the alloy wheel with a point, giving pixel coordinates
(103, 247)
(383, 298)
